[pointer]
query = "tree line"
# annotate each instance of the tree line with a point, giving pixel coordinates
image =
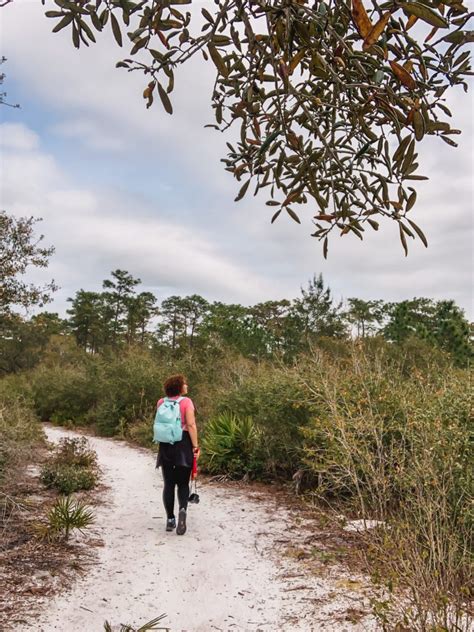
(121, 316)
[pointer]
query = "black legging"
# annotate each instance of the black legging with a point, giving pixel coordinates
(175, 475)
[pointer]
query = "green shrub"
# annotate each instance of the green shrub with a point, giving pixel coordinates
(109, 392)
(130, 385)
(399, 449)
(20, 434)
(371, 427)
(75, 452)
(68, 478)
(141, 432)
(232, 445)
(16, 388)
(64, 394)
(274, 398)
(72, 467)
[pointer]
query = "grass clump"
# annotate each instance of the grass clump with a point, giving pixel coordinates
(20, 434)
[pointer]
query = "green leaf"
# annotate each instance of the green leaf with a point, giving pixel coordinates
(400, 152)
(267, 142)
(411, 202)
(406, 230)
(96, 21)
(379, 75)
(325, 248)
(460, 37)
(221, 40)
(243, 191)
(418, 125)
(218, 61)
(104, 17)
(408, 158)
(445, 109)
(156, 54)
(373, 223)
(424, 13)
(403, 239)
(207, 15)
(139, 45)
(419, 232)
(276, 215)
(67, 19)
(165, 99)
(87, 29)
(116, 29)
(293, 215)
(362, 150)
(75, 36)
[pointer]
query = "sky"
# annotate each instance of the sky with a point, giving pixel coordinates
(120, 186)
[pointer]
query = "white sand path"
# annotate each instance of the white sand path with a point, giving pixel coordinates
(224, 574)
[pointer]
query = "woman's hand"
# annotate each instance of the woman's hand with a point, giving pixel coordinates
(197, 452)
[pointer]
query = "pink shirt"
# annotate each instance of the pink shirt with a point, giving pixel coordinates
(184, 405)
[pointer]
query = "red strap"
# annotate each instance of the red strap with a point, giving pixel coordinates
(194, 471)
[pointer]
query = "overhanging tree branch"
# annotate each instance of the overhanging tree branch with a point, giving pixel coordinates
(331, 97)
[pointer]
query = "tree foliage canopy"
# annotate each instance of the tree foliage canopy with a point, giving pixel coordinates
(331, 96)
(121, 316)
(20, 250)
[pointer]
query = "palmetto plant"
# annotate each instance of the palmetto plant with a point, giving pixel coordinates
(231, 444)
(65, 515)
(151, 625)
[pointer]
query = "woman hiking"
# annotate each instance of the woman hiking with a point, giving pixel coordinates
(176, 458)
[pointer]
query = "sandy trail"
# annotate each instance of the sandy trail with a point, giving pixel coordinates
(223, 574)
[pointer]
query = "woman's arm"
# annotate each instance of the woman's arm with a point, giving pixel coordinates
(192, 428)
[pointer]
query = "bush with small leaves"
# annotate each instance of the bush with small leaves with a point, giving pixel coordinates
(75, 451)
(68, 478)
(72, 467)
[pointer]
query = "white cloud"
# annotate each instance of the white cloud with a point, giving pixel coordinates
(90, 134)
(93, 234)
(17, 136)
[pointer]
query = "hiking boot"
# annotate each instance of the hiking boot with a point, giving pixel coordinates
(171, 524)
(181, 528)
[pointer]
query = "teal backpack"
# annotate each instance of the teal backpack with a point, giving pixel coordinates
(167, 426)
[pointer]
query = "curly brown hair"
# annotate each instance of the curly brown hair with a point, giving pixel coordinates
(174, 385)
